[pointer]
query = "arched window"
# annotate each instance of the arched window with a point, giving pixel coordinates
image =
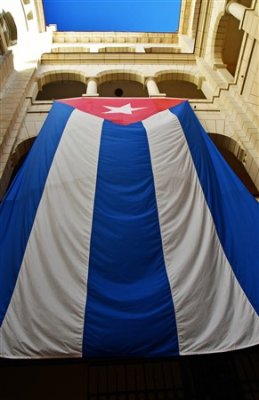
(228, 40)
(9, 28)
(232, 44)
(61, 89)
(122, 88)
(14, 164)
(180, 88)
(234, 162)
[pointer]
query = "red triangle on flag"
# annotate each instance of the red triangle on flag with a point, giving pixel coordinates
(124, 110)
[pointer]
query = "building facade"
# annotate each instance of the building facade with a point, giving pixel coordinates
(213, 61)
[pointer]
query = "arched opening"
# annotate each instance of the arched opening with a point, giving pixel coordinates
(180, 88)
(232, 44)
(2, 46)
(61, 89)
(121, 83)
(14, 164)
(228, 40)
(18, 157)
(234, 161)
(9, 28)
(122, 88)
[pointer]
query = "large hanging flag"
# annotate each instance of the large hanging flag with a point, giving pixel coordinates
(126, 234)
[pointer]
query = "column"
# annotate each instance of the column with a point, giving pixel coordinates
(91, 90)
(236, 9)
(152, 88)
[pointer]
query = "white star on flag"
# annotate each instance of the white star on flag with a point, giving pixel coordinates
(126, 109)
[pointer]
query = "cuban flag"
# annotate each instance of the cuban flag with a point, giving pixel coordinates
(126, 234)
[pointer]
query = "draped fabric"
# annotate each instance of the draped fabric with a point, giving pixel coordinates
(126, 234)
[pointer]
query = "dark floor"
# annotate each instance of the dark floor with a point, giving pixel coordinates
(214, 377)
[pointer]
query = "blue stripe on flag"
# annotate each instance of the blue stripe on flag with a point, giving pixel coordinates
(129, 309)
(21, 202)
(235, 212)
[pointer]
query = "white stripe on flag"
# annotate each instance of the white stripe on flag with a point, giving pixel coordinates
(46, 315)
(212, 312)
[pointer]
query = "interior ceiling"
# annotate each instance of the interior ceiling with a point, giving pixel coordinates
(113, 15)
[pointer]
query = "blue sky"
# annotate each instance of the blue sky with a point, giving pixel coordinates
(113, 15)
